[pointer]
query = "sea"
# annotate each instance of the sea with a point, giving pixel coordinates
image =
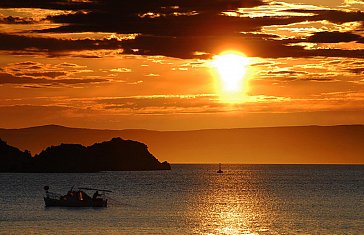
(193, 199)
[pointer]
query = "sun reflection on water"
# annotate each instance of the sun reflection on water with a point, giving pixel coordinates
(231, 207)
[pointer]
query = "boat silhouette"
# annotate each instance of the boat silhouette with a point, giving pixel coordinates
(76, 198)
(220, 171)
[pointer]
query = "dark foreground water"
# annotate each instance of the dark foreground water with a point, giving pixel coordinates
(194, 199)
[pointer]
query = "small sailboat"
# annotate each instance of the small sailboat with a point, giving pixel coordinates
(219, 171)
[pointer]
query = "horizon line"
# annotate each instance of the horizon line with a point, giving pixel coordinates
(179, 130)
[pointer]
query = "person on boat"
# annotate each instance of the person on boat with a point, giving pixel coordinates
(96, 194)
(85, 196)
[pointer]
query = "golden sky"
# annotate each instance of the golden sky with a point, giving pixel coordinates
(181, 64)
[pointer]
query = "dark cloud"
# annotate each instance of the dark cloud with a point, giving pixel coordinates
(319, 79)
(357, 71)
(26, 63)
(336, 53)
(184, 47)
(334, 16)
(34, 86)
(16, 20)
(19, 42)
(6, 78)
(180, 47)
(164, 20)
(35, 70)
(143, 102)
(176, 28)
(53, 74)
(46, 4)
(203, 24)
(287, 72)
(333, 37)
(68, 65)
(135, 6)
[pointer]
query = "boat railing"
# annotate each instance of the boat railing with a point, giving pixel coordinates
(52, 195)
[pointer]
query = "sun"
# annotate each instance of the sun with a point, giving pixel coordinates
(231, 68)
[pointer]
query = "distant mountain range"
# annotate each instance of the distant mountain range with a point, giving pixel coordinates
(114, 155)
(267, 145)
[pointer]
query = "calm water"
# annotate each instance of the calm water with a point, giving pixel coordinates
(194, 199)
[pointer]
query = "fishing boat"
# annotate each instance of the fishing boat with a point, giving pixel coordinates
(220, 171)
(76, 198)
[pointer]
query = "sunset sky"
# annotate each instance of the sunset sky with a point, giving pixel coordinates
(181, 64)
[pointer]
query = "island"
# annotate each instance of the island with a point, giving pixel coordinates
(114, 155)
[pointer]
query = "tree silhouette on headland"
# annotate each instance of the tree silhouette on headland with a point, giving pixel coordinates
(12, 159)
(114, 155)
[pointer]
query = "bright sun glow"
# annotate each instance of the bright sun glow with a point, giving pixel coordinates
(231, 68)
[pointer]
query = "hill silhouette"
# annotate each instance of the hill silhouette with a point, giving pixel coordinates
(114, 155)
(263, 145)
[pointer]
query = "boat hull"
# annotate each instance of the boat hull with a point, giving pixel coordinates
(51, 202)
